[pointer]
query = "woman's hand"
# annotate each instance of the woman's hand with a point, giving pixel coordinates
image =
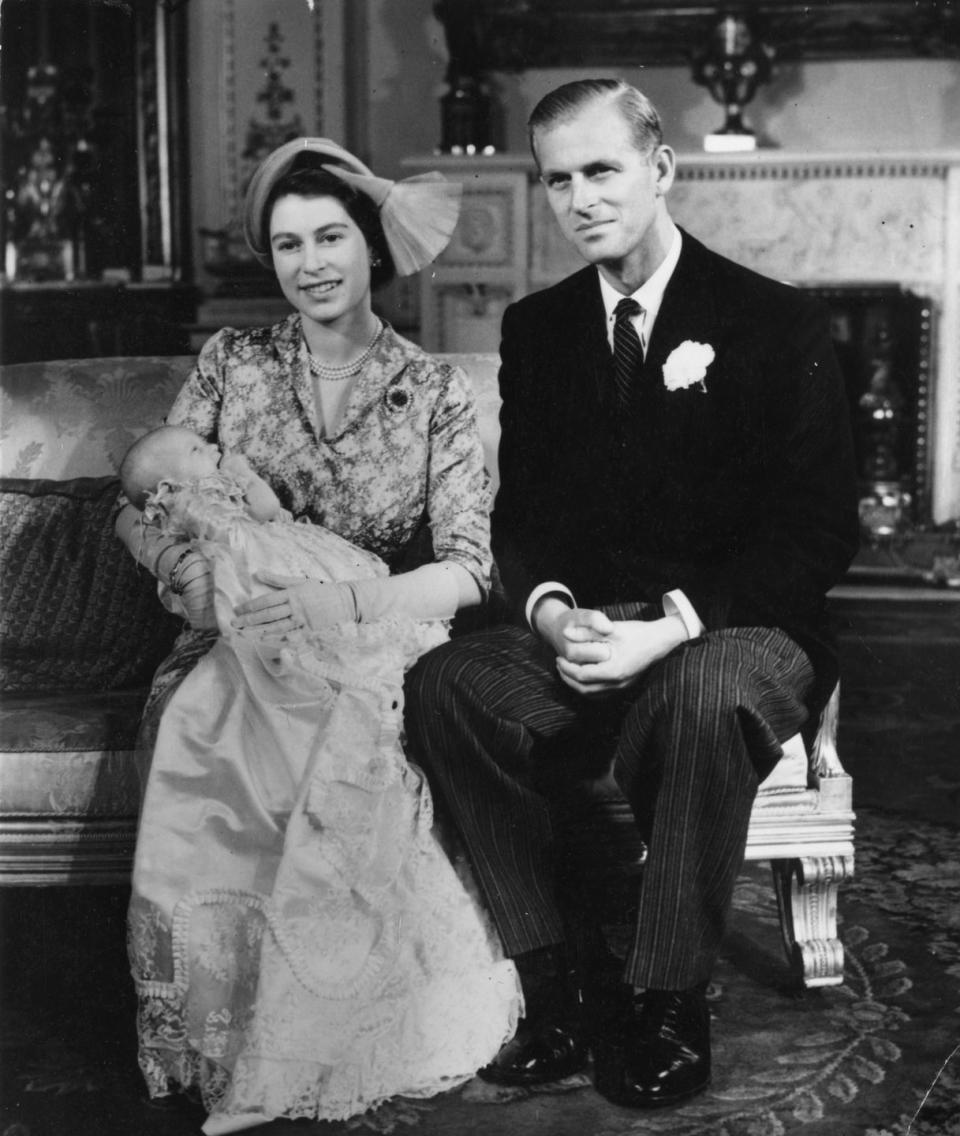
(432, 591)
(295, 604)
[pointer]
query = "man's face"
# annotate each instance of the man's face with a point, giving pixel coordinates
(603, 191)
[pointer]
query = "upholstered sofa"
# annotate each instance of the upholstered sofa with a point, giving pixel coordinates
(81, 631)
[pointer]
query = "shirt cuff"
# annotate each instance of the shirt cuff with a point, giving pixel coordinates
(550, 588)
(676, 603)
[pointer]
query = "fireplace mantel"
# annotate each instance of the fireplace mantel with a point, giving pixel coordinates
(816, 220)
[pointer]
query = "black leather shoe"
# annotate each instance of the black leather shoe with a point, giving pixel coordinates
(540, 1051)
(549, 1043)
(658, 1053)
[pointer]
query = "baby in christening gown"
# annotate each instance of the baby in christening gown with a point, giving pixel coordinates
(300, 943)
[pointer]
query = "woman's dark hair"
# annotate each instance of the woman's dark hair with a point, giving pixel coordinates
(306, 178)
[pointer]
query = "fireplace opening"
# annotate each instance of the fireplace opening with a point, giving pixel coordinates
(882, 336)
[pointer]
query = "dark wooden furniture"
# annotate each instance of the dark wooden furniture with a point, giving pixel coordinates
(95, 227)
(513, 35)
(86, 319)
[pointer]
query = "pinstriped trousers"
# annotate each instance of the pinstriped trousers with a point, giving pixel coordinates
(503, 741)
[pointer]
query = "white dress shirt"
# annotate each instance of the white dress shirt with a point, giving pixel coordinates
(649, 295)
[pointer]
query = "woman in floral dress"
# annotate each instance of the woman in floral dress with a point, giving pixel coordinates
(300, 945)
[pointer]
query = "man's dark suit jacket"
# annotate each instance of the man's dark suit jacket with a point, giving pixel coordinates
(742, 495)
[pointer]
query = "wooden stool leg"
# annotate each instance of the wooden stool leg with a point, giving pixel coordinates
(807, 899)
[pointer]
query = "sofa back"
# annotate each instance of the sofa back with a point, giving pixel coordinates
(77, 417)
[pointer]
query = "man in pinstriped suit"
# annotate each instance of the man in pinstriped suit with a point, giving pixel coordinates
(677, 497)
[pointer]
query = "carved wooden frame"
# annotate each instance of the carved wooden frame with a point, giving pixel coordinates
(512, 35)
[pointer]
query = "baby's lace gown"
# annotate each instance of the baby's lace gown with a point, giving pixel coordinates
(300, 943)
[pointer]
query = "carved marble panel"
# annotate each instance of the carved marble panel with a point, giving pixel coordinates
(836, 224)
(486, 231)
(485, 265)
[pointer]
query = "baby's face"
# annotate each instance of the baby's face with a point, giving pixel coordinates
(192, 457)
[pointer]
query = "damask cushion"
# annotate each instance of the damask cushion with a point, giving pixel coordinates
(76, 611)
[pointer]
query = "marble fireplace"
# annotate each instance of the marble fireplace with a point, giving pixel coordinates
(878, 236)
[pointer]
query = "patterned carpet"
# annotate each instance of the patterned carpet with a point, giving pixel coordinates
(877, 1056)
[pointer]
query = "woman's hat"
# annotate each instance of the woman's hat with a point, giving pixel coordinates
(418, 214)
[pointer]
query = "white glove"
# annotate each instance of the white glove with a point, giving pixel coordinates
(433, 591)
(296, 603)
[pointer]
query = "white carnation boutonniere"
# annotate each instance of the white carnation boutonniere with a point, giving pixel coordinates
(687, 365)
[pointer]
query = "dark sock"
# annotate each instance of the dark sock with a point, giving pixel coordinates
(548, 987)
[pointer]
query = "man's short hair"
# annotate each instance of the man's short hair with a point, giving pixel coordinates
(565, 102)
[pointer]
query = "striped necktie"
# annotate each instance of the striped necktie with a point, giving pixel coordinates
(627, 348)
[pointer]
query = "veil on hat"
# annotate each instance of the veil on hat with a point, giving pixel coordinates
(418, 214)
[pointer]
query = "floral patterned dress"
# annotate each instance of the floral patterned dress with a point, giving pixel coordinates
(300, 944)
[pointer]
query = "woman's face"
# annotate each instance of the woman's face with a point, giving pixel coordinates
(321, 258)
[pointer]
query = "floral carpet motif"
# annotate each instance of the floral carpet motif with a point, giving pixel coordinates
(874, 1057)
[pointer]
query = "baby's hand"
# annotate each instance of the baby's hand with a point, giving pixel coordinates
(237, 466)
(262, 502)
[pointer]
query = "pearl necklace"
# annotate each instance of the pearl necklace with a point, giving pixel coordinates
(345, 370)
